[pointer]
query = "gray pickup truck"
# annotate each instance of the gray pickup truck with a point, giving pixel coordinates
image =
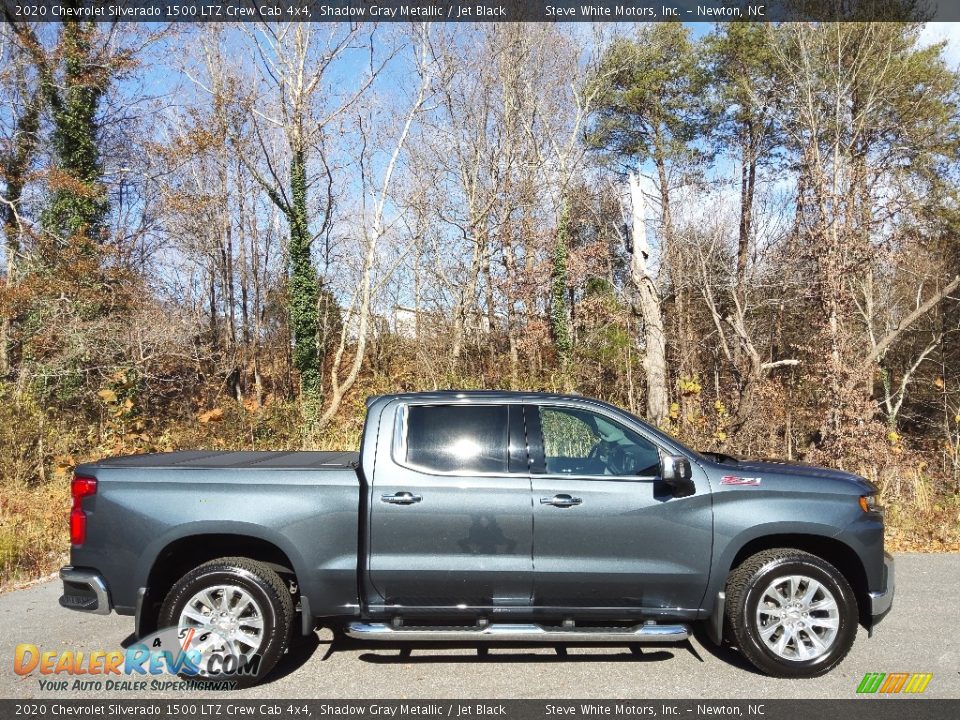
(483, 517)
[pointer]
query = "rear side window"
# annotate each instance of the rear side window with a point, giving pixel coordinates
(454, 438)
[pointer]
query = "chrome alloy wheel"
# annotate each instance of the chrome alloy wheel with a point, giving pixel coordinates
(798, 618)
(226, 619)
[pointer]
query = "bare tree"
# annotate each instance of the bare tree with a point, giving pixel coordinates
(374, 227)
(860, 95)
(298, 96)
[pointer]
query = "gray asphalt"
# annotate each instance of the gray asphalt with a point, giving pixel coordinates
(919, 635)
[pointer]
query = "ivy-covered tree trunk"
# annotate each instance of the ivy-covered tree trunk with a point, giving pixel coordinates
(78, 203)
(71, 289)
(304, 290)
(14, 169)
(559, 312)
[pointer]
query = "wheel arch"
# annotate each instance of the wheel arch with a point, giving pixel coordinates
(182, 554)
(834, 551)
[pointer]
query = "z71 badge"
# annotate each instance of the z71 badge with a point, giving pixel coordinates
(736, 480)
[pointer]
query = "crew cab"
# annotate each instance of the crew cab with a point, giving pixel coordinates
(484, 517)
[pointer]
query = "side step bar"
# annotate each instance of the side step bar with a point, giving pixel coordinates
(649, 633)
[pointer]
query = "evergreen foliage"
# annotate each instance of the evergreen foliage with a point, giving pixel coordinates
(559, 312)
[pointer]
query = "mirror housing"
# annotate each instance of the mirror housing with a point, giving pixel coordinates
(677, 473)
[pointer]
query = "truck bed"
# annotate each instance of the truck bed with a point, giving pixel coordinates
(297, 502)
(225, 459)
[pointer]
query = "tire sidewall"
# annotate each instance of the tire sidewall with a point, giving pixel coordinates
(846, 603)
(192, 583)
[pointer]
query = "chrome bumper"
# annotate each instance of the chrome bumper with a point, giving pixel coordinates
(880, 602)
(84, 590)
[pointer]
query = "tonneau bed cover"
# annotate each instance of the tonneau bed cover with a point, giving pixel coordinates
(274, 460)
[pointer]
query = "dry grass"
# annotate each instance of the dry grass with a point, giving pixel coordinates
(921, 516)
(34, 535)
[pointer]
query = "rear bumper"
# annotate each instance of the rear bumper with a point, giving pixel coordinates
(84, 590)
(882, 600)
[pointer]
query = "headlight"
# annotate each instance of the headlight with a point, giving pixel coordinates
(870, 504)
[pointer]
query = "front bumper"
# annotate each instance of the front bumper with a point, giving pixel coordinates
(882, 601)
(84, 590)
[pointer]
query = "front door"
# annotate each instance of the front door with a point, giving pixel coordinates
(450, 516)
(607, 531)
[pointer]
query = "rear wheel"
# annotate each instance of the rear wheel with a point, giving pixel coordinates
(235, 613)
(793, 614)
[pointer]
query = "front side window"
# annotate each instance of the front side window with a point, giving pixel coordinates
(455, 438)
(579, 442)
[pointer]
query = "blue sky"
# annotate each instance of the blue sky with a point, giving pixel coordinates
(950, 32)
(163, 80)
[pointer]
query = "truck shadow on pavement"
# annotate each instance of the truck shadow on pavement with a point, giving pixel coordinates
(303, 649)
(726, 654)
(409, 652)
(298, 654)
(386, 653)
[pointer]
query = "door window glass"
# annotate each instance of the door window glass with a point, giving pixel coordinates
(579, 442)
(456, 438)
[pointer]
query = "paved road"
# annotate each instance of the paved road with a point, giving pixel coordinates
(919, 635)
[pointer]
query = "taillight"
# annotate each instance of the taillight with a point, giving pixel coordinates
(80, 488)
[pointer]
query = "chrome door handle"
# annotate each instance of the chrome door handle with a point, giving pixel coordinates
(401, 498)
(562, 501)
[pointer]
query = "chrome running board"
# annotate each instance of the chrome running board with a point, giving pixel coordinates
(504, 632)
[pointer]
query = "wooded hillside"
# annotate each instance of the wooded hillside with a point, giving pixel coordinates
(229, 236)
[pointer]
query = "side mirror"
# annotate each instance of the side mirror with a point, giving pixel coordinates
(676, 472)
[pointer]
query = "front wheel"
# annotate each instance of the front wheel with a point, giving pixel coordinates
(792, 613)
(234, 614)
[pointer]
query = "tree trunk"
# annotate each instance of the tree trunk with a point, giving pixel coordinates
(748, 180)
(648, 301)
(559, 314)
(488, 289)
(14, 168)
(11, 228)
(304, 289)
(509, 263)
(212, 297)
(685, 341)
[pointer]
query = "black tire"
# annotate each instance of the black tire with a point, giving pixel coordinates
(263, 585)
(745, 587)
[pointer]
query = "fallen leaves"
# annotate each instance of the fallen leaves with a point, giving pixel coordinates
(208, 416)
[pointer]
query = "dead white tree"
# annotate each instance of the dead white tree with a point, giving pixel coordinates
(648, 305)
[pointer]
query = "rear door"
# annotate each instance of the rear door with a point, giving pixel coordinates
(607, 530)
(450, 510)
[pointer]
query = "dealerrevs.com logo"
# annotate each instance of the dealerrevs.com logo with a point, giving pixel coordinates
(894, 683)
(201, 660)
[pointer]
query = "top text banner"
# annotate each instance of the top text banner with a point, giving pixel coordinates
(477, 10)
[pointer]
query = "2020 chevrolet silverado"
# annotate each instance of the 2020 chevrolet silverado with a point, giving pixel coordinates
(484, 516)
